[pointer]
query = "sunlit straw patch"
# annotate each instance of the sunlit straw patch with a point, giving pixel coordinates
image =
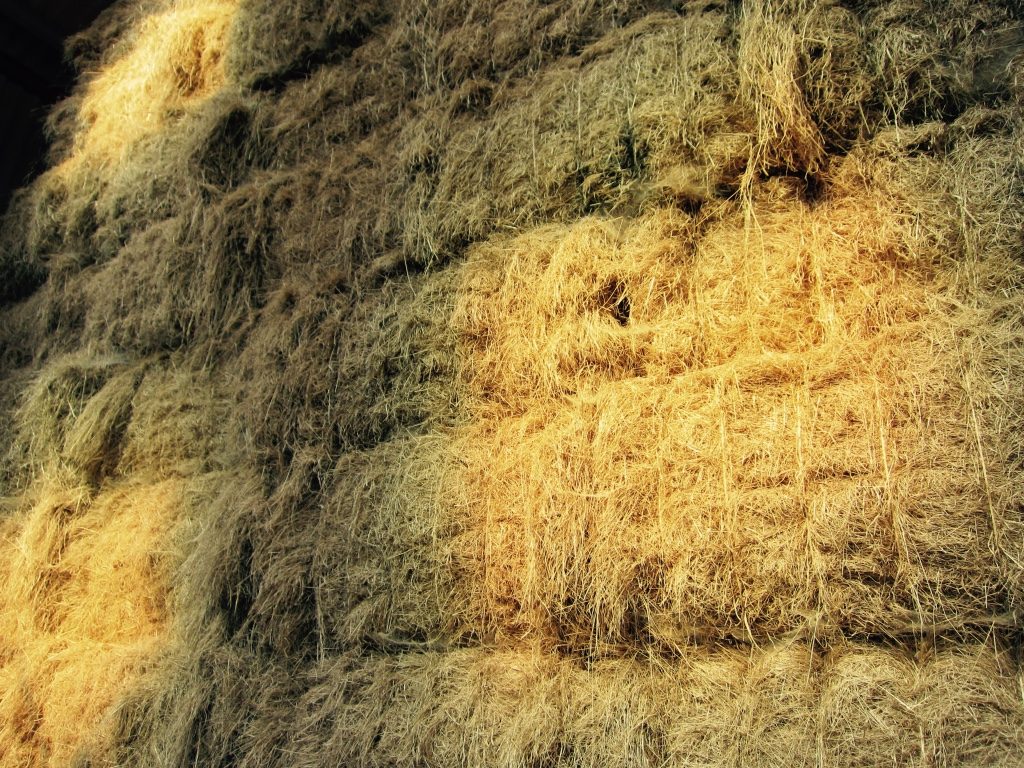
(83, 612)
(775, 439)
(175, 62)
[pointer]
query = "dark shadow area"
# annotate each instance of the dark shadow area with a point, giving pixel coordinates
(33, 76)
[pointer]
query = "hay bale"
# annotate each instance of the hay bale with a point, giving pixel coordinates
(179, 426)
(234, 241)
(125, 124)
(176, 58)
(951, 707)
(94, 443)
(536, 384)
(381, 566)
(207, 704)
(576, 136)
(727, 708)
(117, 606)
(139, 300)
(19, 340)
(156, 722)
(339, 105)
(212, 586)
(599, 359)
(61, 395)
(12, 385)
(109, 35)
(850, 529)
(153, 290)
(770, 68)
(94, 419)
(933, 60)
(83, 612)
(210, 149)
(389, 364)
(582, 135)
(56, 217)
(272, 43)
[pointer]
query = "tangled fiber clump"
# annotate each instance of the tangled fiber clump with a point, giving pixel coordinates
(519, 384)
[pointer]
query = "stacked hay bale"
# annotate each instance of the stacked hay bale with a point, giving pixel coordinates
(508, 384)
